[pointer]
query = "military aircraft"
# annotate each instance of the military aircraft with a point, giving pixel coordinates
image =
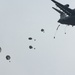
(67, 15)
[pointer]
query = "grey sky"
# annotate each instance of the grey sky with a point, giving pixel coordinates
(20, 19)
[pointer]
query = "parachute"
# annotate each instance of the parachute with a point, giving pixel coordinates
(8, 57)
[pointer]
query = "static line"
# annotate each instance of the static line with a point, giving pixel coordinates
(56, 30)
(65, 30)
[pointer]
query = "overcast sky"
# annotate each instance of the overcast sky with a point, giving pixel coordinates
(21, 19)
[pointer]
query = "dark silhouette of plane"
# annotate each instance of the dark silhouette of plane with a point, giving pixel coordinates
(67, 15)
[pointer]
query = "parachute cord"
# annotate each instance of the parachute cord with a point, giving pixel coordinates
(65, 30)
(56, 30)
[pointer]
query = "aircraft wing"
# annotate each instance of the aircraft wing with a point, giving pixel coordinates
(67, 10)
(58, 10)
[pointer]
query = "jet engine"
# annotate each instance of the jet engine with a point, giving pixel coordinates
(67, 5)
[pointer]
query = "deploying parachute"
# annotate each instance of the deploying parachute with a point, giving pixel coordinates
(8, 57)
